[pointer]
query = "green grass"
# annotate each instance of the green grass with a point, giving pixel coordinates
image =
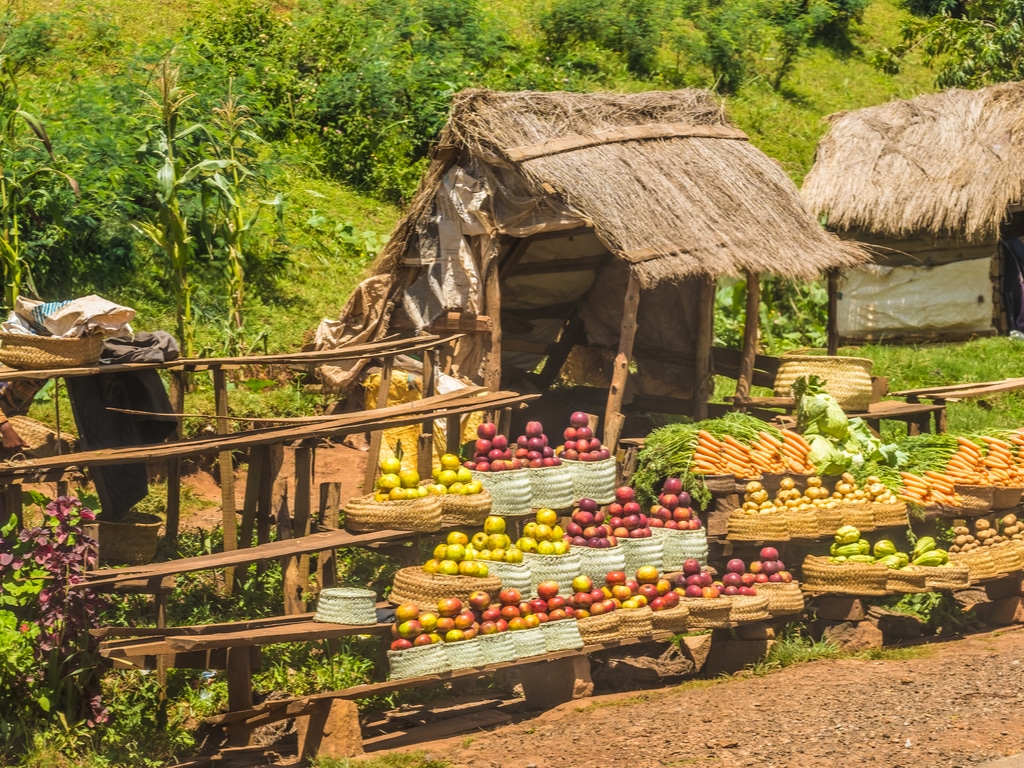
(394, 760)
(794, 648)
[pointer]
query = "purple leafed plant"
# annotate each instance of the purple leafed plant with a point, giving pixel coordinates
(39, 568)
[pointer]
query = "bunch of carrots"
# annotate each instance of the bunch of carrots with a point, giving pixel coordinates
(932, 488)
(997, 466)
(729, 456)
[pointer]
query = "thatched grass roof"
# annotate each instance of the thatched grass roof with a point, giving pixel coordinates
(687, 195)
(948, 164)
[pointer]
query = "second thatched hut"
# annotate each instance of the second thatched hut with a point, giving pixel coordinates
(934, 185)
(579, 236)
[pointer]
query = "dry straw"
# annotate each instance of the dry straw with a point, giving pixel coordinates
(701, 199)
(946, 164)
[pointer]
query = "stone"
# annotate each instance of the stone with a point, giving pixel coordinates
(697, 648)
(1006, 610)
(854, 636)
(730, 656)
(331, 730)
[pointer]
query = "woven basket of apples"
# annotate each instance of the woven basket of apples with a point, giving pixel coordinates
(398, 502)
(589, 535)
(772, 580)
(631, 529)
(455, 570)
(546, 552)
(550, 481)
(503, 475)
(676, 523)
(702, 595)
(464, 501)
(592, 466)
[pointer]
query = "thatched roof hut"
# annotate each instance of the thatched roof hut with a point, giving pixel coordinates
(931, 181)
(560, 225)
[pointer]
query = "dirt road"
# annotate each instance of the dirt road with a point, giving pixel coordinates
(958, 703)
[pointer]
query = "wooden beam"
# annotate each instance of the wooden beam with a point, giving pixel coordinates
(173, 514)
(703, 342)
(301, 519)
(492, 303)
(750, 326)
(646, 132)
(330, 506)
(557, 266)
(463, 321)
(620, 369)
(425, 443)
(258, 460)
(571, 333)
(833, 311)
(227, 475)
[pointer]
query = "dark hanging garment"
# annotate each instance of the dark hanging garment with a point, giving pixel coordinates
(1013, 281)
(122, 486)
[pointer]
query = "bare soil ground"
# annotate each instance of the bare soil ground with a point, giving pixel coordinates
(957, 703)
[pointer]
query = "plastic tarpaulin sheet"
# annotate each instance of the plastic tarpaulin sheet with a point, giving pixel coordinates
(953, 297)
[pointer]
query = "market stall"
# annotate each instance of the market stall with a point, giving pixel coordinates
(578, 237)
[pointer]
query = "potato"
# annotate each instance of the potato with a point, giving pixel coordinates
(954, 549)
(982, 524)
(1009, 520)
(961, 529)
(960, 540)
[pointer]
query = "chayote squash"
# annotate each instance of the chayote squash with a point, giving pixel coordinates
(847, 535)
(932, 558)
(924, 544)
(883, 548)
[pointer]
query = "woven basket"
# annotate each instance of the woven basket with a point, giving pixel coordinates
(640, 552)
(417, 662)
(468, 510)
(512, 575)
(422, 515)
(414, 585)
(801, 525)
(464, 654)
(593, 479)
(19, 350)
(821, 576)
(770, 526)
(906, 581)
(829, 520)
(950, 576)
(346, 605)
(528, 642)
(636, 622)
(551, 487)
(671, 619)
(1006, 557)
(680, 546)
(131, 541)
(784, 598)
(562, 635)
(979, 564)
(510, 491)
(720, 484)
(889, 515)
(497, 648)
(41, 441)
(859, 516)
(559, 568)
(1006, 498)
(977, 498)
(847, 379)
(707, 613)
(599, 629)
(598, 563)
(748, 608)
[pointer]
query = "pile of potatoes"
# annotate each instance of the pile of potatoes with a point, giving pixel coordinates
(986, 533)
(756, 500)
(873, 492)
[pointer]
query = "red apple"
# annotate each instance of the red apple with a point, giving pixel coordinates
(509, 597)
(509, 612)
(649, 591)
(556, 602)
(449, 607)
(672, 485)
(539, 604)
(547, 589)
(615, 577)
(487, 430)
(736, 565)
(730, 590)
(479, 600)
(694, 591)
(769, 553)
(401, 644)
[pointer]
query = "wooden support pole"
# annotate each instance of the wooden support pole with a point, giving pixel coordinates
(453, 434)
(330, 505)
(425, 444)
(265, 506)
(227, 474)
(258, 460)
(239, 674)
(301, 522)
(750, 326)
(702, 348)
(833, 311)
(373, 458)
(173, 515)
(613, 418)
(492, 305)
(571, 332)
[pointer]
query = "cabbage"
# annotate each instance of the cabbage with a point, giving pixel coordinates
(817, 412)
(825, 457)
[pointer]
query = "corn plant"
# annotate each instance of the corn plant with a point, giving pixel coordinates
(169, 228)
(21, 179)
(236, 210)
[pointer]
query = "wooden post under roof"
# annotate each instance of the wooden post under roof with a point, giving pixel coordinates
(833, 308)
(229, 520)
(492, 306)
(613, 416)
(703, 342)
(750, 326)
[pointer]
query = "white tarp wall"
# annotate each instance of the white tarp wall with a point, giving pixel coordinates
(953, 297)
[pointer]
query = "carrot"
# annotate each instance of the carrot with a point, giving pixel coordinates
(794, 437)
(968, 445)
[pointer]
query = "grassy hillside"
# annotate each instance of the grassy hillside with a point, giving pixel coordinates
(102, 57)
